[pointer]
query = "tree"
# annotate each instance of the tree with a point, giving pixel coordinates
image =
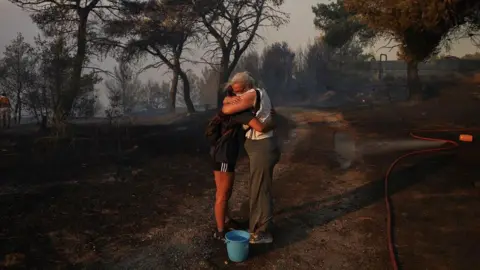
(468, 20)
(208, 87)
(311, 68)
(163, 92)
(154, 95)
(232, 27)
(474, 56)
(73, 18)
(277, 69)
(163, 30)
(54, 71)
(124, 88)
(341, 27)
(195, 86)
(417, 27)
(86, 105)
(18, 66)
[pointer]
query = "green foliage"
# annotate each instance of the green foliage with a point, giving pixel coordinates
(54, 72)
(18, 73)
(17, 66)
(419, 26)
(77, 23)
(340, 27)
(152, 28)
(38, 78)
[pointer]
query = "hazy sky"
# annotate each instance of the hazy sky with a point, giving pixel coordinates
(297, 33)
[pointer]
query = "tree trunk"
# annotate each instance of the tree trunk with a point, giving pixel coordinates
(186, 92)
(78, 61)
(44, 112)
(35, 113)
(18, 96)
(58, 122)
(19, 119)
(413, 82)
(19, 104)
(44, 123)
(173, 91)
(15, 113)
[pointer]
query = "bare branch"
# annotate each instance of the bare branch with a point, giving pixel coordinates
(232, 26)
(100, 70)
(387, 46)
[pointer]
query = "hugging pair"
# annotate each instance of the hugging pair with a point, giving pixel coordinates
(245, 119)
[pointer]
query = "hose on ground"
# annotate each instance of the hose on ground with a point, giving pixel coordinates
(448, 145)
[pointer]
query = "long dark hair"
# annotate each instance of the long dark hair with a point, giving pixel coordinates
(229, 91)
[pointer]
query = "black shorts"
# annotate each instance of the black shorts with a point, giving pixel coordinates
(224, 167)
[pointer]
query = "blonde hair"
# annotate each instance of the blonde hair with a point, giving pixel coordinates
(244, 78)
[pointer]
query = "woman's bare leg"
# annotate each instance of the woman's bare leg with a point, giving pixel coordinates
(224, 183)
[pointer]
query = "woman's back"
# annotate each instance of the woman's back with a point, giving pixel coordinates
(227, 147)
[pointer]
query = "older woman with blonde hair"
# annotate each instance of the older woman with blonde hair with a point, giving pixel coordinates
(263, 153)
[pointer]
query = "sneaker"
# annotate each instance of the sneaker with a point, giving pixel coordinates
(219, 235)
(261, 238)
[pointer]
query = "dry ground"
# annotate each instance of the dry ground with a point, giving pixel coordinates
(148, 206)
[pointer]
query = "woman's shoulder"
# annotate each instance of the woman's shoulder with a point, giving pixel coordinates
(249, 94)
(250, 91)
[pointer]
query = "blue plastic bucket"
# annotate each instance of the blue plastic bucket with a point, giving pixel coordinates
(237, 245)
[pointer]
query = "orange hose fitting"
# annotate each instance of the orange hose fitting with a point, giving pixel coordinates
(465, 138)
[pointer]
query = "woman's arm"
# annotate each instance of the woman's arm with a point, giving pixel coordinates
(262, 127)
(231, 100)
(248, 118)
(246, 101)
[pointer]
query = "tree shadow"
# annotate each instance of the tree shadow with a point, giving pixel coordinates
(292, 227)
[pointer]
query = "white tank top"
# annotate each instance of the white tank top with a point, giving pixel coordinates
(263, 114)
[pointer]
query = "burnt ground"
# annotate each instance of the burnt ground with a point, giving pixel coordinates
(88, 204)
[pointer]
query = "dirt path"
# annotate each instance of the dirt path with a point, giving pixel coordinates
(318, 224)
